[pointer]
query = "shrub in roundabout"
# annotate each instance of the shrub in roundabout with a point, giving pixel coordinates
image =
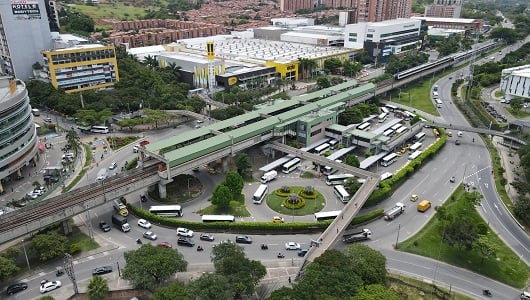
(294, 202)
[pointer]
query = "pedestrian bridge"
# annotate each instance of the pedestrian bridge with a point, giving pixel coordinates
(505, 136)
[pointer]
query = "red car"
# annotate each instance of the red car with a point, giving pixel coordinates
(165, 244)
(144, 143)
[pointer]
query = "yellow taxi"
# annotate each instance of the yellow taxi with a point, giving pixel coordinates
(277, 219)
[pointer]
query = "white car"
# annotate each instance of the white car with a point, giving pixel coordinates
(144, 224)
(40, 190)
(32, 195)
(292, 246)
(136, 148)
(113, 166)
(49, 286)
(184, 232)
(460, 133)
(150, 235)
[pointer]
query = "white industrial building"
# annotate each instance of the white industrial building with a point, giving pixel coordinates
(380, 39)
(515, 82)
(292, 22)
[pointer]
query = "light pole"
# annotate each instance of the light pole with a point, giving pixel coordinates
(397, 237)
(189, 192)
(25, 254)
(399, 95)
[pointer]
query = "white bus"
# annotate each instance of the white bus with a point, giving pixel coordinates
(438, 103)
(384, 109)
(333, 144)
(415, 147)
(389, 159)
(337, 179)
(396, 127)
(388, 132)
(291, 165)
(409, 115)
(341, 193)
(435, 95)
(322, 148)
(415, 155)
(391, 107)
(99, 129)
(364, 126)
(218, 218)
(382, 117)
(401, 129)
(166, 210)
(419, 137)
(327, 215)
(260, 193)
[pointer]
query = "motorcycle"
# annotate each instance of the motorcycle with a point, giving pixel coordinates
(487, 293)
(199, 248)
(280, 255)
(452, 179)
(139, 241)
(264, 247)
(59, 272)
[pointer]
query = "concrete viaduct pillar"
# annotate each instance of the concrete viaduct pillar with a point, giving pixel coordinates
(67, 227)
(162, 192)
(224, 164)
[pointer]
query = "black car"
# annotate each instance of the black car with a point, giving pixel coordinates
(184, 241)
(302, 252)
(102, 270)
(243, 239)
(17, 287)
(104, 226)
(143, 198)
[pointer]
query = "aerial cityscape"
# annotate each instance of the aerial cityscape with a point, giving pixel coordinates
(292, 149)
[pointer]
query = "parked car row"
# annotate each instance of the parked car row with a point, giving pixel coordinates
(493, 112)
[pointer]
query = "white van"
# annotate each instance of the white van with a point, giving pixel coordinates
(525, 295)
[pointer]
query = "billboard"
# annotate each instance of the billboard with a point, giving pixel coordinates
(25, 9)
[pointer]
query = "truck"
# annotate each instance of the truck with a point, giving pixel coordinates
(395, 211)
(363, 235)
(102, 174)
(121, 222)
(269, 176)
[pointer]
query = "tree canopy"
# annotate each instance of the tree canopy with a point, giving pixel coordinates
(234, 182)
(222, 196)
(49, 245)
(150, 266)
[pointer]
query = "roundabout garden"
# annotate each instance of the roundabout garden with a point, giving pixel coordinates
(296, 200)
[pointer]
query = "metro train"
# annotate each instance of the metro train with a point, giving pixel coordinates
(450, 60)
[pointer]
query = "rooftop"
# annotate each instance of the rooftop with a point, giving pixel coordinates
(445, 20)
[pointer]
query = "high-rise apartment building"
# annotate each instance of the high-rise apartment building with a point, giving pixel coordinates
(444, 9)
(294, 5)
(24, 31)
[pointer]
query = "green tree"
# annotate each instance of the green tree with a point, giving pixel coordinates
(47, 297)
(284, 293)
(243, 163)
(151, 266)
(73, 140)
(522, 209)
(375, 291)
(331, 65)
(516, 104)
(7, 268)
(352, 185)
(157, 116)
(49, 245)
(351, 68)
(176, 290)
(352, 160)
(323, 82)
(461, 232)
(234, 182)
(485, 247)
(98, 288)
(504, 33)
(222, 196)
(242, 274)
(209, 286)
(369, 264)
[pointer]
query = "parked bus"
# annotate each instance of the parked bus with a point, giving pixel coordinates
(322, 148)
(384, 109)
(341, 193)
(415, 147)
(409, 115)
(396, 127)
(260, 193)
(415, 155)
(218, 218)
(401, 129)
(388, 132)
(391, 107)
(364, 126)
(333, 144)
(438, 103)
(166, 210)
(419, 137)
(435, 95)
(382, 117)
(327, 215)
(99, 129)
(337, 179)
(291, 165)
(389, 159)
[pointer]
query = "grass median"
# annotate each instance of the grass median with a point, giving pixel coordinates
(504, 266)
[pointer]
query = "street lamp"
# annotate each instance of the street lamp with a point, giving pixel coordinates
(25, 254)
(189, 192)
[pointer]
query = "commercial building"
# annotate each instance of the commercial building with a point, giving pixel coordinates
(18, 136)
(515, 82)
(384, 38)
(82, 67)
(24, 31)
(474, 25)
(444, 9)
